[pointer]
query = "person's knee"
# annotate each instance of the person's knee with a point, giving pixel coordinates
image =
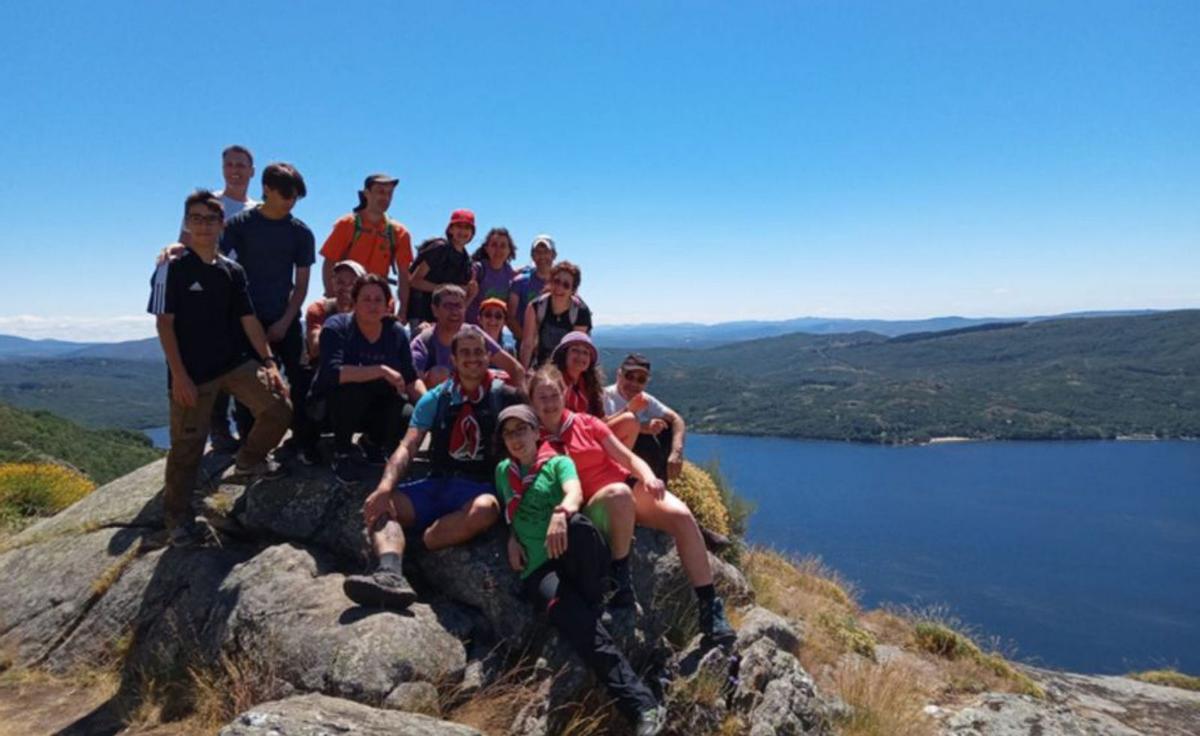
(485, 509)
(278, 411)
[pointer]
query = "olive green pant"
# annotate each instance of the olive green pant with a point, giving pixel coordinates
(189, 432)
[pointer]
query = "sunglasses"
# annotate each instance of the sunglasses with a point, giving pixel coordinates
(565, 283)
(637, 377)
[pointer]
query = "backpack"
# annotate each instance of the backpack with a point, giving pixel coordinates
(391, 238)
(486, 413)
(541, 307)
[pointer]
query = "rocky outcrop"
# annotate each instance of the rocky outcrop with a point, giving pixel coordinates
(320, 715)
(95, 585)
(1078, 705)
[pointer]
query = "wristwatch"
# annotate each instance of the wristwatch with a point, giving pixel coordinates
(270, 360)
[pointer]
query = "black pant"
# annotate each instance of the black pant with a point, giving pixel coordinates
(655, 450)
(373, 407)
(570, 590)
(287, 352)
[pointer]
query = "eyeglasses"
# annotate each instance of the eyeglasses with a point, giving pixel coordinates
(491, 314)
(203, 219)
(637, 377)
(565, 283)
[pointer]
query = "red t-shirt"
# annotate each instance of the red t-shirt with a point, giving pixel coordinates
(576, 398)
(581, 438)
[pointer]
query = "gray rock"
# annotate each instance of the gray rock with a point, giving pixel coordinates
(759, 623)
(776, 694)
(414, 697)
(1079, 704)
(320, 715)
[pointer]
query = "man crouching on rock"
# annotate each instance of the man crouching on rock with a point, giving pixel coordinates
(456, 501)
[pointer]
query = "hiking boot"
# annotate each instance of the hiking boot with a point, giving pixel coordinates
(380, 589)
(224, 442)
(372, 453)
(345, 469)
(266, 469)
(714, 541)
(652, 721)
(623, 596)
(714, 626)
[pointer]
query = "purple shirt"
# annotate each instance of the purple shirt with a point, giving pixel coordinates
(493, 284)
(425, 359)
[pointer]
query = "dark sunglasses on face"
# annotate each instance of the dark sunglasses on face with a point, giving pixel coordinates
(565, 283)
(637, 377)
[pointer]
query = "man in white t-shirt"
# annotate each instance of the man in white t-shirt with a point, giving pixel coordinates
(237, 167)
(653, 430)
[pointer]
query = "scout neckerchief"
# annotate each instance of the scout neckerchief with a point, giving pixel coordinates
(466, 438)
(519, 483)
(556, 439)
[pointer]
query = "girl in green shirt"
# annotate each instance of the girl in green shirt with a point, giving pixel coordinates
(563, 559)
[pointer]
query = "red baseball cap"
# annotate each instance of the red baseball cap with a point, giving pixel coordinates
(464, 217)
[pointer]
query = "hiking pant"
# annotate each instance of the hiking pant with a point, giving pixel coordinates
(570, 589)
(287, 352)
(373, 407)
(189, 432)
(655, 450)
(306, 431)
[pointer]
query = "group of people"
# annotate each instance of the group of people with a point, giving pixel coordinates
(521, 429)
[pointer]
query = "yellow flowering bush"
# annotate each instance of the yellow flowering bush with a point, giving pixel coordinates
(39, 489)
(696, 488)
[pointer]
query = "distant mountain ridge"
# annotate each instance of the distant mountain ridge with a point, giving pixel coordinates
(665, 335)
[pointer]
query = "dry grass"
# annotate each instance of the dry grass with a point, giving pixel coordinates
(492, 709)
(970, 669)
(887, 699)
(113, 572)
(1168, 677)
(236, 684)
(808, 591)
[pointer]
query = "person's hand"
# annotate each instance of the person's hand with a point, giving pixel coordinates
(169, 253)
(278, 329)
(516, 553)
(656, 425)
(674, 464)
(183, 391)
(637, 403)
(275, 381)
(393, 377)
(655, 487)
(556, 535)
(378, 506)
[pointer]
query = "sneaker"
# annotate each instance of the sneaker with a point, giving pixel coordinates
(651, 721)
(266, 469)
(224, 442)
(344, 468)
(372, 453)
(380, 589)
(714, 626)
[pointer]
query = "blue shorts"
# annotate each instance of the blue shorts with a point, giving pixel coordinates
(433, 498)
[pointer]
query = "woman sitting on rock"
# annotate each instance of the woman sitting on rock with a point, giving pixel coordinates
(579, 363)
(605, 465)
(563, 558)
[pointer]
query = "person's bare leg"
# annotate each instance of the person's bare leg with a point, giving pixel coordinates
(469, 521)
(619, 512)
(386, 586)
(672, 516)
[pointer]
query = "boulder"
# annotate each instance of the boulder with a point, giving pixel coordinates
(414, 697)
(776, 694)
(759, 623)
(321, 715)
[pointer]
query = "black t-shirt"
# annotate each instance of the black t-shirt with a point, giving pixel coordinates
(342, 344)
(455, 434)
(208, 301)
(268, 250)
(555, 327)
(447, 265)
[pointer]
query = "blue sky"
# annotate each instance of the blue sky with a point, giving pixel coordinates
(701, 161)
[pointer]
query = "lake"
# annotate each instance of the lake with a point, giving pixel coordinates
(1075, 555)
